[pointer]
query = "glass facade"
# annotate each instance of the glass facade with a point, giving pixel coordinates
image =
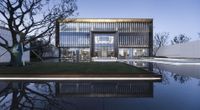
(128, 38)
(74, 39)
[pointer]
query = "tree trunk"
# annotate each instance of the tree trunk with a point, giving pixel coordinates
(16, 55)
(15, 96)
(15, 102)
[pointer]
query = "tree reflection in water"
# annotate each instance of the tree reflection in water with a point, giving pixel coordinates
(53, 95)
(30, 96)
(179, 78)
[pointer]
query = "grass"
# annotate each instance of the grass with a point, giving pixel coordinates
(89, 67)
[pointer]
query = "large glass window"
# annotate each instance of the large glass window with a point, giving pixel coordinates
(140, 52)
(75, 54)
(123, 53)
(127, 53)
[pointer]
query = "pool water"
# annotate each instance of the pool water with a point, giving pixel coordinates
(178, 90)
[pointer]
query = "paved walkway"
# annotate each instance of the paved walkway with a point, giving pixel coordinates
(173, 61)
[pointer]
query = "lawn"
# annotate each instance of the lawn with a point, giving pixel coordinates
(83, 68)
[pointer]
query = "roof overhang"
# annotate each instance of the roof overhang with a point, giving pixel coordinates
(91, 20)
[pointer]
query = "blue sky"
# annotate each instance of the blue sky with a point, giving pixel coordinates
(173, 16)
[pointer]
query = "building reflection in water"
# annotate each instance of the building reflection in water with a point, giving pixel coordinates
(144, 65)
(51, 95)
(106, 89)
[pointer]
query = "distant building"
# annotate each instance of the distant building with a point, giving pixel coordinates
(4, 55)
(88, 39)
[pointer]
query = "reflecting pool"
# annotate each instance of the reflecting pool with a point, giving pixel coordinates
(178, 90)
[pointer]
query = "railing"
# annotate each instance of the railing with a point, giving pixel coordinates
(37, 55)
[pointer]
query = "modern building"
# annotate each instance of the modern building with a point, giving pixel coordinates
(89, 39)
(4, 54)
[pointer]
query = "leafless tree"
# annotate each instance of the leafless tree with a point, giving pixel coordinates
(29, 20)
(180, 39)
(160, 39)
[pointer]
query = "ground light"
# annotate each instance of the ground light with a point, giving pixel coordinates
(80, 78)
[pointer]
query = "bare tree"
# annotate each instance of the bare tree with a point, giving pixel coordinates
(180, 39)
(36, 18)
(160, 39)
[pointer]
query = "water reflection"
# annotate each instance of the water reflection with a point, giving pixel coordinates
(177, 83)
(24, 95)
(106, 89)
(180, 73)
(29, 96)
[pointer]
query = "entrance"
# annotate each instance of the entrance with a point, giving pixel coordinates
(104, 52)
(103, 45)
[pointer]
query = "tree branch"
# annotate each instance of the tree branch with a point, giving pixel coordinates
(45, 33)
(37, 46)
(5, 41)
(34, 92)
(26, 18)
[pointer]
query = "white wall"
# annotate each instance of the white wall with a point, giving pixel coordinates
(185, 50)
(6, 57)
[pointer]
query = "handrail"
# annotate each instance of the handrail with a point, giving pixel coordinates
(37, 55)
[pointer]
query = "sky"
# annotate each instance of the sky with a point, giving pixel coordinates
(173, 16)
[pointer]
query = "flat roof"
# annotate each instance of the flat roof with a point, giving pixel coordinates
(91, 20)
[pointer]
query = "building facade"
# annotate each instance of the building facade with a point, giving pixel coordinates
(88, 39)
